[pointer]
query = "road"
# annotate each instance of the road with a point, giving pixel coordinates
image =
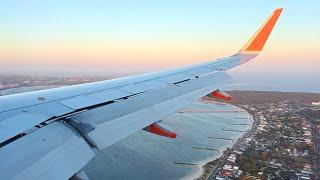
(315, 141)
(225, 156)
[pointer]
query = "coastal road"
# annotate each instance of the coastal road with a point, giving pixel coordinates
(225, 156)
(315, 141)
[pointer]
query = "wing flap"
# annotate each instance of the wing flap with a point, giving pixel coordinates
(118, 120)
(80, 102)
(51, 109)
(110, 94)
(175, 78)
(199, 71)
(92, 99)
(143, 86)
(19, 123)
(52, 152)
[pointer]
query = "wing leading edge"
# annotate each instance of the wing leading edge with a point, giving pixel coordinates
(97, 115)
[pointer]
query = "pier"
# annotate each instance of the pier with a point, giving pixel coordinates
(188, 164)
(239, 124)
(205, 148)
(220, 138)
(233, 130)
(208, 111)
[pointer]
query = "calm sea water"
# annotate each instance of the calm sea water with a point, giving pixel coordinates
(277, 81)
(147, 156)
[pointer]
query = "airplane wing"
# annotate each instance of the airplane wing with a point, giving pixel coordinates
(52, 134)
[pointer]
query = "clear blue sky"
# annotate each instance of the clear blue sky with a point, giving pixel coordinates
(138, 36)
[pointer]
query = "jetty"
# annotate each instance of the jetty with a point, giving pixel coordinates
(233, 130)
(205, 148)
(183, 163)
(221, 138)
(208, 111)
(239, 124)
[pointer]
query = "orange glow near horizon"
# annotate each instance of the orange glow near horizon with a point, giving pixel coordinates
(164, 53)
(155, 36)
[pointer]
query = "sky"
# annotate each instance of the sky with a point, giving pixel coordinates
(74, 37)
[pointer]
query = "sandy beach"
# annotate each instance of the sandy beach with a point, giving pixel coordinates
(206, 166)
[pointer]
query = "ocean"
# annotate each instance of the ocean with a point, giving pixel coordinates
(276, 81)
(147, 156)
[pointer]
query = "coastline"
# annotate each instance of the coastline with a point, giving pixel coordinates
(206, 166)
(201, 166)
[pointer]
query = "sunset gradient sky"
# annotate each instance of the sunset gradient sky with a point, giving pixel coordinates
(104, 37)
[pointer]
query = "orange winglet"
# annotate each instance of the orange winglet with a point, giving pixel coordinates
(259, 39)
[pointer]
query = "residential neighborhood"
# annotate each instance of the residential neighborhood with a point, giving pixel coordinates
(284, 144)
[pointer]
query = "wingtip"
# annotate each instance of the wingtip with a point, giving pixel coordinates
(257, 42)
(278, 10)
